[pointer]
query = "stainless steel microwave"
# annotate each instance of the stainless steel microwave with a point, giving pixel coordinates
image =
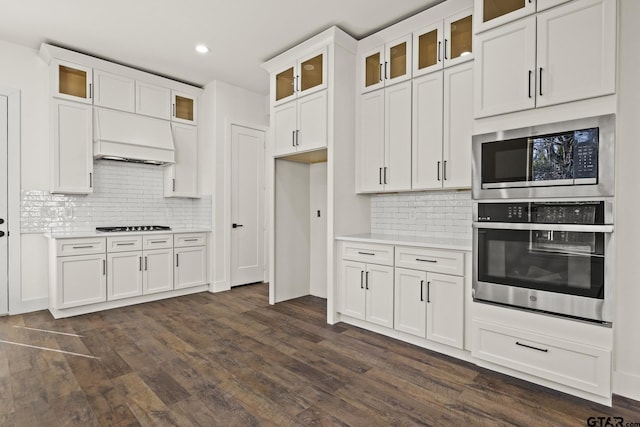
(566, 159)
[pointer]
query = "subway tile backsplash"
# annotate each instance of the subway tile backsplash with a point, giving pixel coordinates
(438, 214)
(124, 194)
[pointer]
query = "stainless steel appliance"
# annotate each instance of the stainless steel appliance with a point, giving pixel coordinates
(129, 228)
(551, 256)
(566, 159)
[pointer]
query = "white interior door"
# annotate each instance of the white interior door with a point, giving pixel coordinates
(247, 205)
(4, 252)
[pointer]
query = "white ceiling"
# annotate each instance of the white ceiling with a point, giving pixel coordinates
(160, 35)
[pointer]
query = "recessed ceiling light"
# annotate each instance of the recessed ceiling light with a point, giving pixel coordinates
(201, 48)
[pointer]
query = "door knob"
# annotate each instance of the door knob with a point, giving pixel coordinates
(234, 225)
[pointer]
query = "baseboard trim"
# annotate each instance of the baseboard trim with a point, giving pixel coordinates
(219, 286)
(627, 385)
(28, 306)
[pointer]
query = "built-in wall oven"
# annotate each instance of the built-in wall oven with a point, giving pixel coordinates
(543, 218)
(554, 257)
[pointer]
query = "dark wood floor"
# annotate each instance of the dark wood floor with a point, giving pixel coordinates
(230, 359)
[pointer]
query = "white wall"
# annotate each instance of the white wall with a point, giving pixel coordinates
(223, 105)
(318, 230)
(23, 70)
(627, 341)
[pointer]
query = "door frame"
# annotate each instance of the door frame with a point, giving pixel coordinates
(227, 198)
(13, 198)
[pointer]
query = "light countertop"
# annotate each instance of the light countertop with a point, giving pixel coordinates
(94, 233)
(421, 241)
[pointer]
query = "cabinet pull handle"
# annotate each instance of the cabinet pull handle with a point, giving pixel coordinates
(439, 51)
(157, 241)
(173, 110)
(297, 137)
(426, 260)
(83, 247)
(90, 180)
(174, 184)
(366, 253)
(445, 49)
(421, 286)
(125, 244)
(145, 263)
(385, 175)
(540, 82)
(361, 279)
(177, 260)
(385, 70)
(381, 74)
(530, 73)
(428, 292)
(380, 176)
(298, 83)
(90, 91)
(195, 240)
(444, 170)
(104, 267)
(438, 171)
(544, 350)
(140, 263)
(366, 276)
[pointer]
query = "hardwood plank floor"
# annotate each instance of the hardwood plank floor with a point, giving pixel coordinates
(230, 359)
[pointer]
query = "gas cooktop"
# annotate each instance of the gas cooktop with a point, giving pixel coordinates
(133, 228)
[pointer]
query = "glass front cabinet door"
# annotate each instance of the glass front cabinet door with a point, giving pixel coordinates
(387, 64)
(308, 75)
(493, 13)
(73, 82)
(458, 46)
(184, 108)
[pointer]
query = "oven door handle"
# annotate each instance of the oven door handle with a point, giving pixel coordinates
(580, 228)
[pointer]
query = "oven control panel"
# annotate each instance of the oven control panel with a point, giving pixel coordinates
(503, 212)
(542, 212)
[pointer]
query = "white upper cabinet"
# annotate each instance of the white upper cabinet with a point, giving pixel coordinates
(184, 108)
(493, 13)
(307, 75)
(443, 43)
(387, 64)
(114, 91)
(301, 125)
(563, 54)
(153, 100)
(72, 82)
(181, 177)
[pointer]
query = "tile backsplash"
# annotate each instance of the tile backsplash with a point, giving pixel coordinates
(438, 214)
(123, 194)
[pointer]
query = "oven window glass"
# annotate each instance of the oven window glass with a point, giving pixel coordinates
(505, 161)
(556, 261)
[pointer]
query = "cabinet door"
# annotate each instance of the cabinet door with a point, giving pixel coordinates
(353, 292)
(505, 69)
(181, 178)
(124, 275)
(458, 126)
(73, 82)
(379, 294)
(311, 132)
(396, 175)
(370, 153)
(184, 108)
(458, 36)
(81, 280)
(427, 49)
(372, 70)
(190, 267)
(284, 128)
(410, 312)
(397, 65)
(312, 73)
(152, 100)
(72, 151)
(445, 309)
(283, 85)
(157, 271)
(114, 91)
(493, 13)
(576, 52)
(426, 158)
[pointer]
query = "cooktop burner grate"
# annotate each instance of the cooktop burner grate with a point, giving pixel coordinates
(130, 228)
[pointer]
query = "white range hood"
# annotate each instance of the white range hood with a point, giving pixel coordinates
(131, 137)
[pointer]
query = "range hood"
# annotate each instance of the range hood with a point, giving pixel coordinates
(118, 135)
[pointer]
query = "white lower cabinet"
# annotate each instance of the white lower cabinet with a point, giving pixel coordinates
(124, 275)
(190, 268)
(368, 292)
(410, 302)
(82, 280)
(157, 273)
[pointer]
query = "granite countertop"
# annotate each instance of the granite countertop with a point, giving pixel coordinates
(421, 241)
(94, 233)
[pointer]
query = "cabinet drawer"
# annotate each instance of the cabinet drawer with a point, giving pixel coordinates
(368, 252)
(189, 239)
(84, 246)
(436, 260)
(124, 243)
(157, 241)
(570, 363)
